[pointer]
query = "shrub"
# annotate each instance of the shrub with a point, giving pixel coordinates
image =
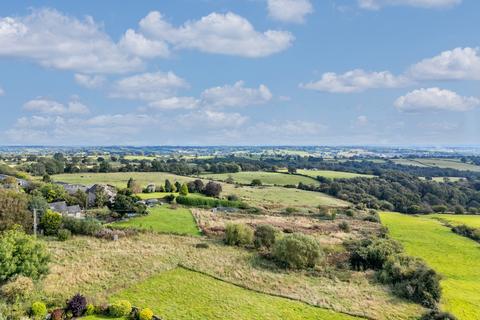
(344, 226)
(467, 231)
(372, 218)
(232, 197)
(350, 213)
(22, 254)
(256, 183)
(64, 234)
(372, 253)
(56, 314)
(291, 210)
(183, 190)
(77, 305)
(202, 245)
(51, 222)
(87, 227)
(146, 314)
(297, 251)
(411, 278)
(38, 310)
(213, 189)
(238, 235)
(264, 236)
(439, 208)
(437, 315)
(210, 203)
(121, 308)
(90, 309)
(17, 289)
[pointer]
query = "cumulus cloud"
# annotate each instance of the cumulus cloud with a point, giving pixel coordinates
(228, 34)
(356, 80)
(456, 64)
(289, 10)
(211, 119)
(361, 121)
(236, 96)
(429, 4)
(89, 81)
(58, 41)
(136, 44)
(48, 106)
(148, 86)
(435, 99)
(173, 103)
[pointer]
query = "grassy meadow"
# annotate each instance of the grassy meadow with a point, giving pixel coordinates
(267, 178)
(455, 257)
(441, 163)
(332, 174)
(102, 269)
(169, 292)
(456, 219)
(163, 219)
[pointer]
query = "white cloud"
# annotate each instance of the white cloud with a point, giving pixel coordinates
(289, 10)
(48, 106)
(235, 96)
(356, 80)
(211, 119)
(136, 44)
(2, 92)
(175, 103)
(435, 99)
(219, 33)
(456, 64)
(58, 41)
(148, 86)
(429, 4)
(361, 121)
(87, 81)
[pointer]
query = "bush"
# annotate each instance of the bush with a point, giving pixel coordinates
(291, 210)
(297, 251)
(38, 310)
(372, 218)
(21, 254)
(213, 189)
(77, 305)
(350, 213)
(256, 183)
(344, 226)
(238, 235)
(146, 314)
(467, 231)
(90, 310)
(437, 315)
(372, 253)
(17, 289)
(121, 308)
(87, 227)
(51, 222)
(232, 197)
(411, 278)
(210, 203)
(64, 234)
(56, 314)
(264, 236)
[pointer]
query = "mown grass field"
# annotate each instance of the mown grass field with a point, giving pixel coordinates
(455, 257)
(267, 178)
(102, 269)
(266, 197)
(180, 294)
(165, 220)
(456, 219)
(332, 174)
(441, 163)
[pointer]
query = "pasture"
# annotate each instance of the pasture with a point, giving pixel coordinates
(455, 257)
(332, 174)
(102, 269)
(267, 178)
(168, 294)
(441, 163)
(163, 219)
(456, 219)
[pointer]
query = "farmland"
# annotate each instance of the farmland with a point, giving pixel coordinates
(441, 163)
(267, 178)
(456, 258)
(455, 219)
(165, 220)
(332, 174)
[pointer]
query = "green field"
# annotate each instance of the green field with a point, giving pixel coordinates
(165, 220)
(455, 219)
(182, 294)
(267, 197)
(332, 174)
(267, 178)
(441, 163)
(455, 257)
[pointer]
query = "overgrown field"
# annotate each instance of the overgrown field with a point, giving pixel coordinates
(267, 178)
(100, 269)
(270, 198)
(163, 219)
(332, 174)
(169, 292)
(455, 257)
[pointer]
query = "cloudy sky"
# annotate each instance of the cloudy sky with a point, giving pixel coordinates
(240, 72)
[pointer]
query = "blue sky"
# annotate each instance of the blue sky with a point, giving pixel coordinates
(239, 72)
